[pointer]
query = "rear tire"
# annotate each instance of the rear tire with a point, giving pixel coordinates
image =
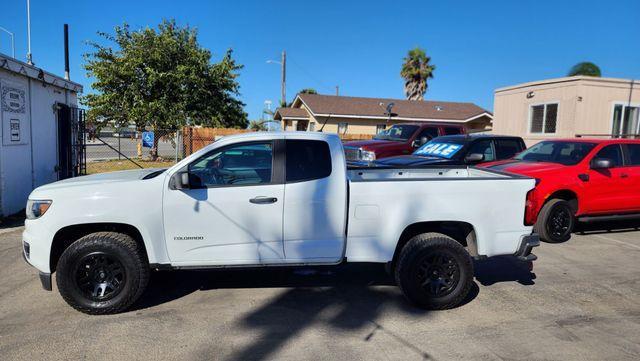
(102, 273)
(434, 271)
(556, 221)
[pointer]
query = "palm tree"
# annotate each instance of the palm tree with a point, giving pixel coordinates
(585, 68)
(258, 125)
(415, 72)
(308, 91)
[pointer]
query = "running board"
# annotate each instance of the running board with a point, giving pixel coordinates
(615, 217)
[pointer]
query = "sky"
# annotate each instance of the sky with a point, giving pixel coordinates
(476, 46)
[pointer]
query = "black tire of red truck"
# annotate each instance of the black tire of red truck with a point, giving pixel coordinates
(556, 221)
(102, 273)
(434, 271)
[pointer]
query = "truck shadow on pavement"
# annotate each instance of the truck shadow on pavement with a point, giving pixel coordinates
(348, 297)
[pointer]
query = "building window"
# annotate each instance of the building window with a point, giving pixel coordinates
(380, 128)
(625, 120)
(543, 118)
(342, 128)
(312, 126)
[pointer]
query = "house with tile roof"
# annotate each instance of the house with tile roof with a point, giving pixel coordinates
(358, 115)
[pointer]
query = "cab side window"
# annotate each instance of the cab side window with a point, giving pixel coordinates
(429, 133)
(307, 160)
(633, 152)
(507, 148)
(451, 130)
(613, 153)
(238, 164)
(483, 147)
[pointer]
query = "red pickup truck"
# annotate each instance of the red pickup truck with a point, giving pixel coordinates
(578, 179)
(399, 139)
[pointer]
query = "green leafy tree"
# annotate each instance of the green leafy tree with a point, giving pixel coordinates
(415, 72)
(258, 125)
(163, 79)
(585, 68)
(308, 91)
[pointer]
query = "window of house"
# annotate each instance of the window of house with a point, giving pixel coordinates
(543, 118)
(625, 120)
(312, 126)
(307, 160)
(342, 128)
(380, 128)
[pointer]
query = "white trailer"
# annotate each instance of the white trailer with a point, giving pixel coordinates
(30, 149)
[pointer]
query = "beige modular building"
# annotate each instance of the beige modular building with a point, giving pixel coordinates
(358, 115)
(568, 107)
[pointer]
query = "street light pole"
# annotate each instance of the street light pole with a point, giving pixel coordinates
(283, 82)
(29, 59)
(13, 45)
(284, 79)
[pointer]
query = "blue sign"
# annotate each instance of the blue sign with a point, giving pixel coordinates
(147, 139)
(444, 150)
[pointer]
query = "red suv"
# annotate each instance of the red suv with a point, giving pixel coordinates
(399, 139)
(578, 179)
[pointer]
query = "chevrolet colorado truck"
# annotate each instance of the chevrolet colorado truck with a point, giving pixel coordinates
(578, 179)
(273, 199)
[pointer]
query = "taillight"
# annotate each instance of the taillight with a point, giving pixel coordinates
(530, 207)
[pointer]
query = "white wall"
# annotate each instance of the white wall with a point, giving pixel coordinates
(30, 161)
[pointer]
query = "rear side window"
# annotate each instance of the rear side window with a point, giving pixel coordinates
(507, 148)
(429, 133)
(307, 160)
(633, 150)
(451, 130)
(611, 152)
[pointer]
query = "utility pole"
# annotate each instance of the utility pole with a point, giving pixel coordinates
(13, 44)
(29, 58)
(284, 78)
(337, 90)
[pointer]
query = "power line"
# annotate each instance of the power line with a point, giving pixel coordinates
(311, 76)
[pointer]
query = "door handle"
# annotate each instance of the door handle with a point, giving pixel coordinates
(263, 200)
(624, 175)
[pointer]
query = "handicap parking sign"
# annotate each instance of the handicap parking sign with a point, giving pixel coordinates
(147, 139)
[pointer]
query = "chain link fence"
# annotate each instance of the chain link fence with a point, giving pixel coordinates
(123, 148)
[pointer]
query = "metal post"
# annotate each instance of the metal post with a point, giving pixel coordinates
(284, 78)
(66, 51)
(29, 57)
(119, 137)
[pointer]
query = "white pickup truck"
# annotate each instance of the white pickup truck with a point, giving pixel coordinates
(273, 199)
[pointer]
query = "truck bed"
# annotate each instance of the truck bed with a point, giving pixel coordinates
(383, 202)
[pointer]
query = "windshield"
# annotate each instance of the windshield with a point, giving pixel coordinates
(439, 148)
(567, 153)
(397, 132)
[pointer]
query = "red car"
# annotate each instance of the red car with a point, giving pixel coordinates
(578, 179)
(399, 139)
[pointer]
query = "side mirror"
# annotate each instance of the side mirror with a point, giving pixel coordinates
(420, 142)
(474, 158)
(180, 180)
(601, 163)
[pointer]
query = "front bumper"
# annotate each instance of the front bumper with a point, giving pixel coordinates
(527, 243)
(45, 278)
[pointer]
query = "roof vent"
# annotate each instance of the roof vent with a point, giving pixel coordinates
(438, 107)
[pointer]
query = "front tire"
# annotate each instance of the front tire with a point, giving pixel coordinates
(102, 273)
(434, 271)
(556, 221)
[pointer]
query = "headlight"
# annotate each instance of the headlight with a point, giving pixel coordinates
(36, 209)
(367, 155)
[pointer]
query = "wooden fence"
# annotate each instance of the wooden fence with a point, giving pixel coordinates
(195, 139)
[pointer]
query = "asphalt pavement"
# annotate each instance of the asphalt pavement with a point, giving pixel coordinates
(581, 302)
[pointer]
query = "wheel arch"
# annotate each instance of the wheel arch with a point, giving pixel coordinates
(67, 235)
(564, 194)
(462, 232)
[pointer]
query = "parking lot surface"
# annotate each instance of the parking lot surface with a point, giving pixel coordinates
(581, 302)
